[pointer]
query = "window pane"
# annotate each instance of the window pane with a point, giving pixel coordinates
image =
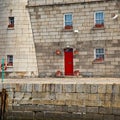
(98, 21)
(100, 53)
(99, 15)
(10, 60)
(68, 19)
(99, 18)
(97, 56)
(102, 17)
(97, 50)
(68, 23)
(11, 20)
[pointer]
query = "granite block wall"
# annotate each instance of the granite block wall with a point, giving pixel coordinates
(63, 101)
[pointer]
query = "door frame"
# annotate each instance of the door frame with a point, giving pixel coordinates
(65, 64)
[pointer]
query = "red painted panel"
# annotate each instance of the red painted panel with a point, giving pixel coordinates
(68, 60)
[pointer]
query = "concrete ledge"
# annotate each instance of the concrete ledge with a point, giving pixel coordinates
(63, 81)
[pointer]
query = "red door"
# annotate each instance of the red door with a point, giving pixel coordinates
(68, 61)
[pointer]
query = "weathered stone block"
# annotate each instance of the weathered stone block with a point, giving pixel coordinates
(27, 96)
(87, 88)
(93, 103)
(58, 116)
(10, 95)
(110, 97)
(93, 97)
(87, 116)
(92, 109)
(80, 103)
(94, 88)
(17, 87)
(19, 95)
(102, 88)
(115, 88)
(97, 116)
(82, 96)
(1, 86)
(116, 97)
(37, 88)
(116, 111)
(104, 110)
(60, 96)
(81, 109)
(77, 116)
(6, 86)
(41, 96)
(58, 88)
(18, 114)
(79, 88)
(117, 117)
(72, 108)
(52, 87)
(18, 108)
(116, 104)
(52, 96)
(101, 97)
(106, 103)
(39, 115)
(58, 108)
(68, 88)
(48, 107)
(108, 88)
(59, 102)
(27, 115)
(24, 102)
(108, 117)
(70, 96)
(23, 87)
(31, 107)
(45, 88)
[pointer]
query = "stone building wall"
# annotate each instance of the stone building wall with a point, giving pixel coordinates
(49, 35)
(17, 41)
(62, 101)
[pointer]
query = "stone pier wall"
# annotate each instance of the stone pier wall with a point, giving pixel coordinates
(63, 101)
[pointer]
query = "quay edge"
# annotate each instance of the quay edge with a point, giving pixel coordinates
(67, 99)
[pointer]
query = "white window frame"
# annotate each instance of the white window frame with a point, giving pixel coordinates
(9, 60)
(98, 19)
(71, 20)
(95, 54)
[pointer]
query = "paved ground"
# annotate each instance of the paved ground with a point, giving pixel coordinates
(64, 81)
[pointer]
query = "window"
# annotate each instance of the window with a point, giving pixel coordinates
(11, 22)
(68, 23)
(99, 19)
(9, 60)
(99, 54)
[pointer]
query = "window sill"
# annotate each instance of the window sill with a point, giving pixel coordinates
(67, 30)
(10, 28)
(98, 28)
(98, 62)
(9, 66)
